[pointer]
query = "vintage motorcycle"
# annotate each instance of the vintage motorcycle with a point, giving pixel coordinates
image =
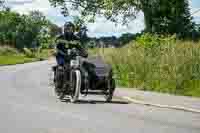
(83, 76)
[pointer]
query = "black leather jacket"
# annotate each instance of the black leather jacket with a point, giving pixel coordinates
(63, 40)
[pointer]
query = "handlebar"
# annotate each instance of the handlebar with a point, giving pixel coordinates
(73, 49)
(77, 52)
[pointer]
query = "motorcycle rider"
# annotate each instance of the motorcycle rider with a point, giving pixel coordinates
(63, 43)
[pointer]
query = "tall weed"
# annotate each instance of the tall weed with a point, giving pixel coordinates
(158, 63)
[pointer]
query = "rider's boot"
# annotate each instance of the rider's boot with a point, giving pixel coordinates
(61, 96)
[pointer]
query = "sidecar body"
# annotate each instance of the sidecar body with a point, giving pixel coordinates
(100, 76)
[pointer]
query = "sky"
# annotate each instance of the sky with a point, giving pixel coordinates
(101, 27)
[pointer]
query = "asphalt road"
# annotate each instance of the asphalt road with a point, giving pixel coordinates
(28, 105)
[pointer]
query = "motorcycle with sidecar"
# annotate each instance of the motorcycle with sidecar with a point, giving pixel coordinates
(83, 76)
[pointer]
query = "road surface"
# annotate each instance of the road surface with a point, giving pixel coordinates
(28, 105)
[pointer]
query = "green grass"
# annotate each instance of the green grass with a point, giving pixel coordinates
(15, 59)
(168, 67)
(10, 56)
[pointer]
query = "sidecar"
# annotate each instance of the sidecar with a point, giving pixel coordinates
(99, 79)
(96, 79)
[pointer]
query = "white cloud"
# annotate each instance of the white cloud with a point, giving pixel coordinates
(17, 2)
(99, 28)
(107, 28)
(26, 6)
(196, 12)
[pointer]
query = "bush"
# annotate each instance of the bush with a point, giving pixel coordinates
(160, 64)
(45, 46)
(6, 50)
(149, 40)
(30, 53)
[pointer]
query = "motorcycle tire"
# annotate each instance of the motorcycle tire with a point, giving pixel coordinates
(75, 85)
(110, 91)
(58, 83)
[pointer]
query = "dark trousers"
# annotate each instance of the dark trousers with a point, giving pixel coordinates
(60, 60)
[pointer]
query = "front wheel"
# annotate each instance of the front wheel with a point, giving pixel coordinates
(75, 85)
(58, 81)
(110, 91)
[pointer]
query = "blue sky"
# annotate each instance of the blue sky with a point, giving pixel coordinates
(195, 5)
(101, 27)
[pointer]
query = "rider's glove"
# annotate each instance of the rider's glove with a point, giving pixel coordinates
(61, 52)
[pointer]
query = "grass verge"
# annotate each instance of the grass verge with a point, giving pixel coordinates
(15, 59)
(153, 64)
(10, 56)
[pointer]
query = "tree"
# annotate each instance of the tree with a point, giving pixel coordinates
(2, 4)
(159, 15)
(126, 38)
(114, 10)
(81, 28)
(78, 22)
(173, 17)
(38, 17)
(54, 29)
(3, 7)
(8, 25)
(181, 22)
(30, 30)
(21, 30)
(111, 9)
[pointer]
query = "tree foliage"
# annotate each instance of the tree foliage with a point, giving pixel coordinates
(110, 9)
(23, 30)
(81, 29)
(172, 17)
(3, 7)
(79, 23)
(161, 16)
(1, 3)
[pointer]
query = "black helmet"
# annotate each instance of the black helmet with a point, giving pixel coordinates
(68, 25)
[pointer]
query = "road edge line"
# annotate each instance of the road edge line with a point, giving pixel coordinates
(161, 106)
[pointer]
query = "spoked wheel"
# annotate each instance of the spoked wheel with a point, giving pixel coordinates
(75, 85)
(110, 91)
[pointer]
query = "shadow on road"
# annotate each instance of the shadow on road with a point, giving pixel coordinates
(96, 102)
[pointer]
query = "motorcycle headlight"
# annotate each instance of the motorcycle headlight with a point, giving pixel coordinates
(74, 63)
